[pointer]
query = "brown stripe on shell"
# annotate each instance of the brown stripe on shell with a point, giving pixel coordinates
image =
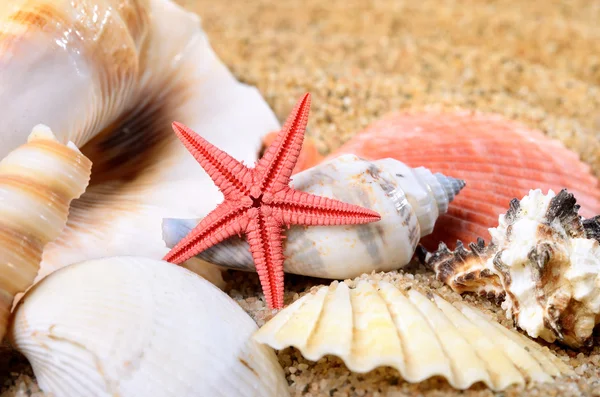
(59, 201)
(18, 267)
(130, 146)
(539, 257)
(550, 260)
(465, 270)
(512, 215)
(124, 163)
(568, 321)
(564, 207)
(65, 153)
(591, 228)
(554, 310)
(506, 280)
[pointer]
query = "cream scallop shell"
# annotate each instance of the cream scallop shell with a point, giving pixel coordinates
(38, 181)
(377, 324)
(130, 326)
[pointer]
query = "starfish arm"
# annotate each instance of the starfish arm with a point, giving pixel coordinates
(275, 167)
(294, 207)
(266, 245)
(223, 222)
(231, 176)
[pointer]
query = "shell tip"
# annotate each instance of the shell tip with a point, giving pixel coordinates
(452, 186)
(41, 131)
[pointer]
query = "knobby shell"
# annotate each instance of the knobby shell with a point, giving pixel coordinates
(543, 264)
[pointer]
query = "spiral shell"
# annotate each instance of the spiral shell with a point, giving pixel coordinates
(130, 327)
(543, 262)
(369, 324)
(111, 76)
(409, 201)
(38, 180)
(82, 58)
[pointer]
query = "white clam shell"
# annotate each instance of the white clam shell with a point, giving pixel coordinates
(377, 324)
(408, 200)
(38, 181)
(133, 327)
(111, 76)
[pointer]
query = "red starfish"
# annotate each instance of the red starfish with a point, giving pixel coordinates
(258, 202)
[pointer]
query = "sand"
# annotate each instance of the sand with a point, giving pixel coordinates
(536, 62)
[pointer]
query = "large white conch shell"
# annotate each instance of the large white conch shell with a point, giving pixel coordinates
(38, 180)
(373, 324)
(131, 327)
(409, 201)
(111, 76)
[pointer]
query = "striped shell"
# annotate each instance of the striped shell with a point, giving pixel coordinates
(38, 180)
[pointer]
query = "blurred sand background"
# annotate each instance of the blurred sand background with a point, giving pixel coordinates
(534, 61)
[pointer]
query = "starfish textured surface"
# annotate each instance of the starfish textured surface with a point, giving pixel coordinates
(259, 202)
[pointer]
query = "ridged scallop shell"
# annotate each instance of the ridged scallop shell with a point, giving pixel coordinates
(111, 76)
(38, 180)
(499, 159)
(409, 201)
(376, 324)
(131, 327)
(543, 262)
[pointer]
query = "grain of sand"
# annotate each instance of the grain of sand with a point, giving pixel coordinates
(536, 62)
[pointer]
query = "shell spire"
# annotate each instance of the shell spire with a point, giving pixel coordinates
(444, 189)
(452, 186)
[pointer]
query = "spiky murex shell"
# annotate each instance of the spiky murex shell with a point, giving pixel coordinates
(543, 262)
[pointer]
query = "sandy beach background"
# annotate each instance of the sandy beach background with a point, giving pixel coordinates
(536, 62)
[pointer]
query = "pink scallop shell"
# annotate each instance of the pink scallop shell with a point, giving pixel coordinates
(498, 158)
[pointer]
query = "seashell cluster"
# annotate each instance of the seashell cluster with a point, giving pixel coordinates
(113, 75)
(131, 326)
(38, 181)
(543, 262)
(375, 324)
(409, 201)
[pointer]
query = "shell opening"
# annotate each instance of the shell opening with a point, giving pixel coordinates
(132, 144)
